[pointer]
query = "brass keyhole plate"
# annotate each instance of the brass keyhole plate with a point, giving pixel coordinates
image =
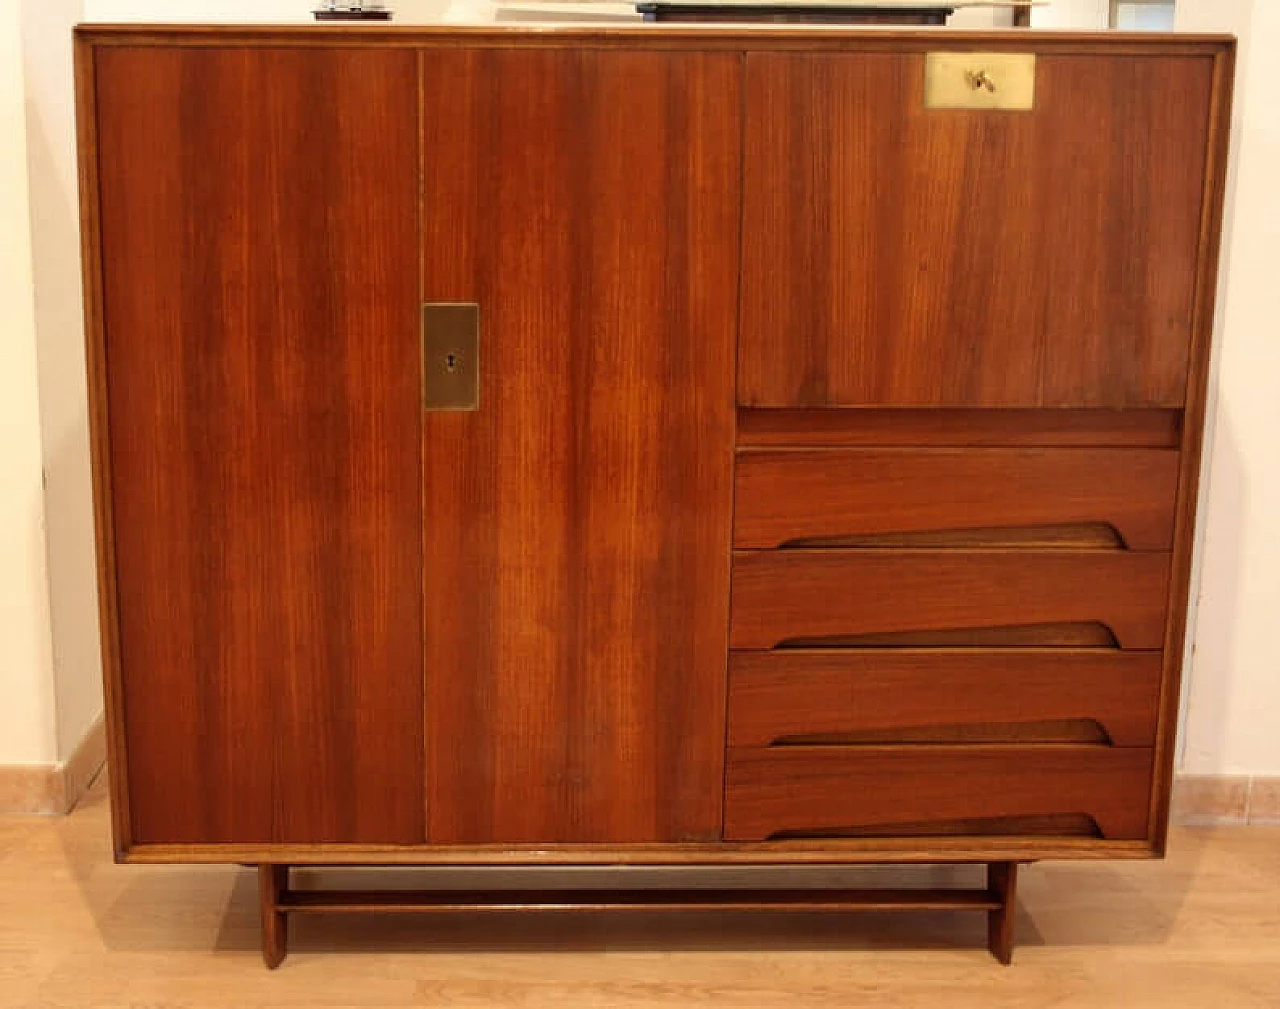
(450, 356)
(996, 81)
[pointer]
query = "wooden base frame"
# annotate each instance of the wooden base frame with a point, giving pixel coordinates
(278, 902)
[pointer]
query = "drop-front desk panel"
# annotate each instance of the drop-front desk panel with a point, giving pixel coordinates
(646, 445)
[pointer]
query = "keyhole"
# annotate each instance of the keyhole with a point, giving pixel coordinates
(451, 362)
(979, 79)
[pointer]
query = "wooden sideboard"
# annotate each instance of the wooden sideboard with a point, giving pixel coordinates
(828, 491)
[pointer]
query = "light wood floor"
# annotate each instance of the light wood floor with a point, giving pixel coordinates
(1199, 930)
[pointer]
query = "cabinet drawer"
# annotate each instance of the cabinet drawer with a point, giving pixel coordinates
(886, 791)
(893, 695)
(787, 496)
(818, 597)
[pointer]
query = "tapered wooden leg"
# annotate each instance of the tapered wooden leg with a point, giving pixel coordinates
(1002, 882)
(273, 880)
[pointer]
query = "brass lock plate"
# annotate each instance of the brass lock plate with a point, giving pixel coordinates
(980, 81)
(450, 356)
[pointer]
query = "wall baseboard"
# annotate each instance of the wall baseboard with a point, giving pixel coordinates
(54, 788)
(1226, 799)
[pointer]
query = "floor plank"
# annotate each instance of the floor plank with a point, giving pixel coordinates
(1200, 929)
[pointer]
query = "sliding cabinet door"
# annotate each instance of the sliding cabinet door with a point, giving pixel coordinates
(577, 523)
(260, 364)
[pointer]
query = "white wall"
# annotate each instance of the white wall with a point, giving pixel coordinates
(64, 418)
(1072, 14)
(1146, 16)
(1233, 717)
(406, 11)
(978, 17)
(28, 733)
(196, 10)
(268, 11)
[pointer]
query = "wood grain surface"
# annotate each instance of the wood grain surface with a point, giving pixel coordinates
(91, 267)
(577, 524)
(790, 596)
(898, 256)
(259, 247)
(337, 630)
(936, 427)
(783, 496)
(796, 693)
(886, 789)
(642, 37)
(1197, 399)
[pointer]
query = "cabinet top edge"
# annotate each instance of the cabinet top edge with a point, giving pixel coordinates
(733, 37)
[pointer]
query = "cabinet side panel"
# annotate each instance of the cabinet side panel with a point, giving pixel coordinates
(259, 242)
(895, 255)
(577, 524)
(91, 274)
(1211, 212)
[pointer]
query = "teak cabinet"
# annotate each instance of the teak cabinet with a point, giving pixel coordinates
(828, 495)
